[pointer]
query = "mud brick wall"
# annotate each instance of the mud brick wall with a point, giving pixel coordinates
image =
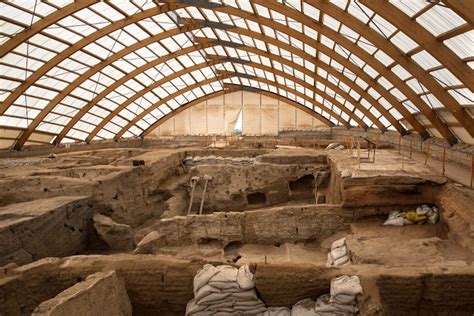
(30, 231)
(436, 294)
(269, 226)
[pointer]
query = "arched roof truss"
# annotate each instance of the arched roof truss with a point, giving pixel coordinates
(88, 70)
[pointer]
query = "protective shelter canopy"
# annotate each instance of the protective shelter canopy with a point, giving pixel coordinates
(87, 70)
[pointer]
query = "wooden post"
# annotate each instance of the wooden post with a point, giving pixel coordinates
(427, 154)
(400, 144)
(472, 170)
(444, 160)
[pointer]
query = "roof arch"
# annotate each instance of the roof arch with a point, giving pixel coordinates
(77, 71)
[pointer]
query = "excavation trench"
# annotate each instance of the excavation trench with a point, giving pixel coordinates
(278, 211)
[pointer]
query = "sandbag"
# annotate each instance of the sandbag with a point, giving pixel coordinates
(349, 285)
(338, 252)
(304, 308)
(192, 307)
(338, 243)
(245, 278)
(341, 261)
(212, 298)
(395, 218)
(413, 217)
(224, 274)
(342, 299)
(204, 291)
(277, 311)
(203, 276)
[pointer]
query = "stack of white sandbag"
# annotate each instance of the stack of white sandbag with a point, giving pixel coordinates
(341, 300)
(422, 214)
(224, 290)
(431, 213)
(339, 254)
(277, 311)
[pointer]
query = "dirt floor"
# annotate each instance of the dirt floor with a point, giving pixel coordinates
(130, 210)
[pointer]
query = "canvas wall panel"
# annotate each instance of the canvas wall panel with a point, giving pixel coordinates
(198, 120)
(269, 116)
(287, 116)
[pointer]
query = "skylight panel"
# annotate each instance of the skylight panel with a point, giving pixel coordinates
(331, 22)
(62, 33)
(360, 11)
(446, 78)
(382, 26)
(416, 86)
(440, 19)
(383, 58)
(211, 16)
(366, 45)
(425, 60)
(349, 33)
(410, 8)
(164, 21)
(398, 94)
(463, 96)
(370, 71)
(401, 72)
(385, 83)
(44, 41)
(170, 44)
(374, 93)
(361, 83)
(403, 42)
(311, 33)
(462, 45)
(327, 42)
(432, 101)
(311, 11)
(108, 11)
(263, 11)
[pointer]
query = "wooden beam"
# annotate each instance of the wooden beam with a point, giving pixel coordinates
(37, 74)
(43, 23)
(417, 72)
(424, 38)
(301, 83)
(189, 88)
(90, 72)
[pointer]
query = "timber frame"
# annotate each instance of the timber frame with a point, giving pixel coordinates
(389, 12)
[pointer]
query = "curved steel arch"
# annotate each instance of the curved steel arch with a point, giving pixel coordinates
(188, 105)
(222, 77)
(188, 88)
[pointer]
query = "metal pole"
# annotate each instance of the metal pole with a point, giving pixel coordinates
(194, 181)
(207, 178)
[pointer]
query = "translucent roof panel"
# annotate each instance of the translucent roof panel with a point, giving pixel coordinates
(81, 71)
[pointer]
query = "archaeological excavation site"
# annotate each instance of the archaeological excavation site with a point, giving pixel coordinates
(236, 157)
